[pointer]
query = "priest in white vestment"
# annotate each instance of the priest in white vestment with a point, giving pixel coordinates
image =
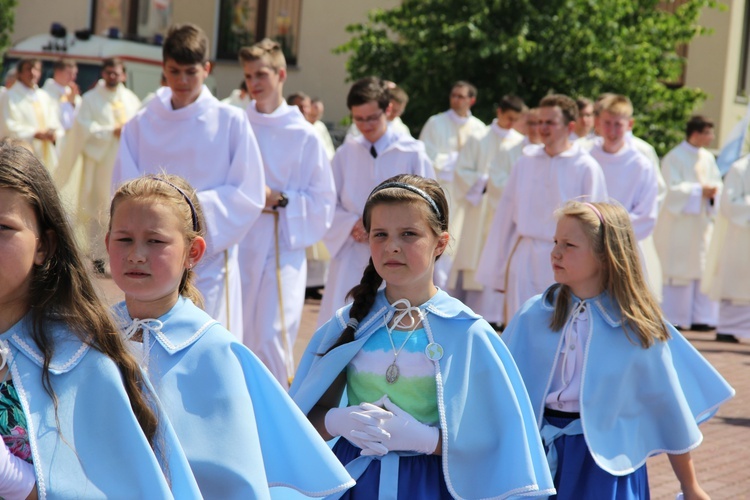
(300, 202)
(444, 135)
(727, 275)
(632, 180)
(359, 165)
(482, 170)
(28, 114)
(516, 256)
(188, 132)
(683, 230)
(95, 139)
(239, 97)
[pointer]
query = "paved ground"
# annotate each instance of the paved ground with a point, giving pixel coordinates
(721, 461)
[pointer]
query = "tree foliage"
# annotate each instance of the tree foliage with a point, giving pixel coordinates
(7, 18)
(534, 47)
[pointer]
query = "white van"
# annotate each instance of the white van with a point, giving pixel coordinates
(143, 62)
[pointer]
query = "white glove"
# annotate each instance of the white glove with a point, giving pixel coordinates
(475, 192)
(17, 477)
(407, 433)
(361, 425)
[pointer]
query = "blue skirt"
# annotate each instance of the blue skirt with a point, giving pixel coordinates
(578, 477)
(420, 477)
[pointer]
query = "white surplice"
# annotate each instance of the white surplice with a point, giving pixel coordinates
(211, 145)
(516, 255)
(683, 231)
(295, 164)
(26, 111)
(236, 99)
(633, 181)
(356, 173)
(482, 171)
(727, 274)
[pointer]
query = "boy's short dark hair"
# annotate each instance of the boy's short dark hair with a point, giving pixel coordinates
(113, 62)
(292, 98)
(582, 102)
(471, 88)
(185, 44)
(369, 89)
(566, 104)
(23, 63)
(63, 63)
(698, 124)
(511, 102)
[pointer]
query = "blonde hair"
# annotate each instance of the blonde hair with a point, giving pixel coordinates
(613, 243)
(267, 51)
(177, 191)
(616, 104)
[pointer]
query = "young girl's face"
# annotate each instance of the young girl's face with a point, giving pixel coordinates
(573, 260)
(148, 254)
(403, 248)
(21, 249)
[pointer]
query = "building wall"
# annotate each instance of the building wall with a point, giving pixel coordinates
(718, 54)
(322, 74)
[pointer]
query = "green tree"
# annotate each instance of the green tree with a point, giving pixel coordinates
(7, 18)
(535, 47)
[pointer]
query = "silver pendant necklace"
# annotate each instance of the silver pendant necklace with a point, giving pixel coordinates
(392, 372)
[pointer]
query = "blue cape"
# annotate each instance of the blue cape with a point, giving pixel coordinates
(240, 430)
(100, 450)
(635, 402)
(491, 447)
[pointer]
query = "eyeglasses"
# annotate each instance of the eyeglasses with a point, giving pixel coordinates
(368, 119)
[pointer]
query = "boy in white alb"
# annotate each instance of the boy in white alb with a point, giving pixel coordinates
(185, 130)
(683, 230)
(515, 258)
(360, 164)
(482, 171)
(727, 274)
(300, 201)
(631, 178)
(399, 100)
(444, 135)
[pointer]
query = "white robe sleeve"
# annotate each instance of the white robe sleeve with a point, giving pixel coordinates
(682, 194)
(14, 125)
(310, 211)
(230, 209)
(343, 219)
(646, 207)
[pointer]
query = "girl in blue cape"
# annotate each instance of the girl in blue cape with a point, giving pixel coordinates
(241, 432)
(612, 383)
(76, 417)
(423, 391)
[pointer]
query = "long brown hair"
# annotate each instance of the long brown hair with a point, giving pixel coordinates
(613, 243)
(176, 191)
(364, 293)
(61, 288)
